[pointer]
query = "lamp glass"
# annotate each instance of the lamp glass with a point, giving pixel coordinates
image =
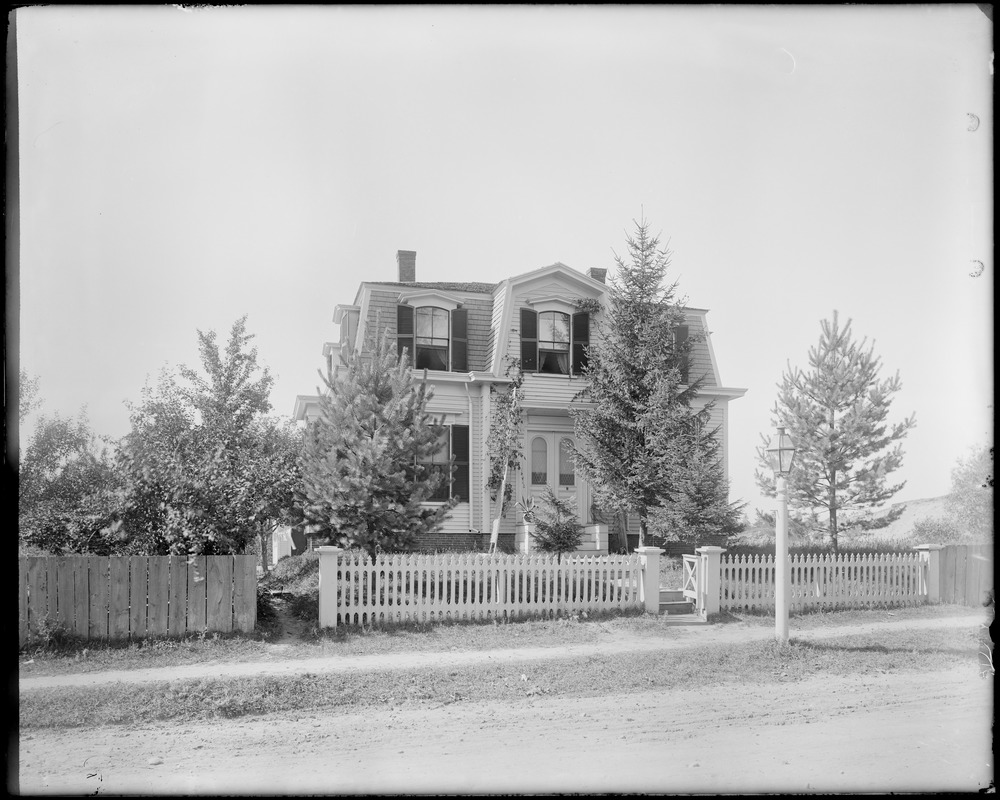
(780, 452)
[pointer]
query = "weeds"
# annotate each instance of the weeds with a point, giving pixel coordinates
(748, 664)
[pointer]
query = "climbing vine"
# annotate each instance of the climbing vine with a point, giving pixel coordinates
(503, 442)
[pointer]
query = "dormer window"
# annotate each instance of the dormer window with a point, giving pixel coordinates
(554, 342)
(435, 337)
(347, 317)
(431, 351)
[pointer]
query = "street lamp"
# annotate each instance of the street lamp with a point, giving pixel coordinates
(780, 453)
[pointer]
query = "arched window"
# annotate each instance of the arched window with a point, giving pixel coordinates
(539, 462)
(567, 476)
(553, 342)
(431, 338)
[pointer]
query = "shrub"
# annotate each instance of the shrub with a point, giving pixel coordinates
(817, 549)
(940, 531)
(53, 637)
(305, 605)
(557, 529)
(293, 574)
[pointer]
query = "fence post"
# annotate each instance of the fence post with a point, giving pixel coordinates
(649, 587)
(329, 561)
(709, 580)
(930, 554)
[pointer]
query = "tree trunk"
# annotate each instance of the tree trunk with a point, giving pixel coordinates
(832, 495)
(642, 531)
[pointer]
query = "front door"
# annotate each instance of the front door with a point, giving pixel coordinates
(551, 467)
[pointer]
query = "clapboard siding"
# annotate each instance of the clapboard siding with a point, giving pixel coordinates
(700, 360)
(500, 295)
(550, 391)
(480, 308)
(382, 307)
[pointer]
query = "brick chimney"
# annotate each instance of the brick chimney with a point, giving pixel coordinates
(598, 274)
(407, 261)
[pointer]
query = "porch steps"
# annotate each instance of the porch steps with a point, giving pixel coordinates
(672, 602)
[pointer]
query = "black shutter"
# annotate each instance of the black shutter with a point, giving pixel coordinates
(581, 340)
(460, 453)
(529, 340)
(404, 331)
(681, 347)
(460, 340)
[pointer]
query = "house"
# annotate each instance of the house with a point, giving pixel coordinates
(465, 335)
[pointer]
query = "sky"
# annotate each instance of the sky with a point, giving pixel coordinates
(181, 167)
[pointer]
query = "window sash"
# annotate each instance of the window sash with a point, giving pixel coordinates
(553, 342)
(460, 475)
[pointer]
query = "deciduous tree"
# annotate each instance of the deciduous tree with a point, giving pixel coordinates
(970, 503)
(208, 470)
(66, 479)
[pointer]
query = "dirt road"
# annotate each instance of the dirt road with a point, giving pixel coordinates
(863, 733)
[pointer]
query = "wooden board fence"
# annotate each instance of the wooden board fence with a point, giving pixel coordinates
(966, 574)
(856, 580)
(111, 597)
(470, 586)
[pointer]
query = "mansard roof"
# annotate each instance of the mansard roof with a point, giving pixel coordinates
(447, 286)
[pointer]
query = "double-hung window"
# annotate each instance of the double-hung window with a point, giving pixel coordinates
(682, 347)
(435, 338)
(454, 450)
(431, 344)
(554, 342)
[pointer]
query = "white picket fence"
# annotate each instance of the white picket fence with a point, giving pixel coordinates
(856, 580)
(475, 586)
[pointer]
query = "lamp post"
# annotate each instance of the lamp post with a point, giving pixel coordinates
(780, 453)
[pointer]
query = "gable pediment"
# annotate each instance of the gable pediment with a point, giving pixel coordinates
(430, 297)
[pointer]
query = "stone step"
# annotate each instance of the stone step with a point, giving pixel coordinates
(676, 607)
(671, 595)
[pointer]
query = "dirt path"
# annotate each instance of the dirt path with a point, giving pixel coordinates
(690, 634)
(864, 733)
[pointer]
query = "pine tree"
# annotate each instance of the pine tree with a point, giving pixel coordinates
(845, 450)
(366, 471)
(640, 443)
(557, 529)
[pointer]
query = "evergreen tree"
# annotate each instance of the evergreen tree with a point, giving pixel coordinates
(845, 450)
(640, 443)
(366, 466)
(557, 530)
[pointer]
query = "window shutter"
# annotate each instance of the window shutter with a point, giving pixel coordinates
(460, 340)
(460, 452)
(581, 339)
(404, 331)
(681, 347)
(529, 340)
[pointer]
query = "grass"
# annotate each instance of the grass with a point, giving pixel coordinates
(901, 650)
(74, 656)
